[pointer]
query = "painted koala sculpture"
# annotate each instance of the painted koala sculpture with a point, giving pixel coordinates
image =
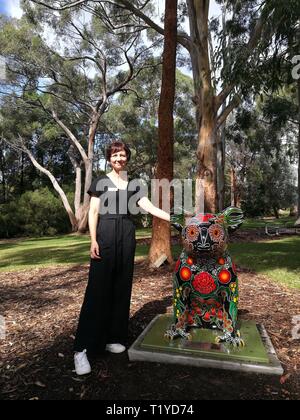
(205, 281)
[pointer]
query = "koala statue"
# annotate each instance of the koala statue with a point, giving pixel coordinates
(205, 280)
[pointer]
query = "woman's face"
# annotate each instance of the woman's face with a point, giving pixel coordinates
(118, 160)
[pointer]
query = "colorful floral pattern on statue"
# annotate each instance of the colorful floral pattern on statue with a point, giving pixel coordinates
(205, 280)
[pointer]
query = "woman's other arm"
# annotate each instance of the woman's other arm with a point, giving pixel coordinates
(93, 221)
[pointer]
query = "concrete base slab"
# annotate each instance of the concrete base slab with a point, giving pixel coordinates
(258, 356)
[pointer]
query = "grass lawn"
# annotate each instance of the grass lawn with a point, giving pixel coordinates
(43, 252)
(278, 259)
(283, 221)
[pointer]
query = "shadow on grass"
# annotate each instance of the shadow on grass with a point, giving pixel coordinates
(24, 239)
(77, 254)
(282, 254)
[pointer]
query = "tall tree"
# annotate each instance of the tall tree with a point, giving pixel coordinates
(298, 85)
(134, 117)
(252, 27)
(282, 111)
(261, 150)
(78, 75)
(161, 234)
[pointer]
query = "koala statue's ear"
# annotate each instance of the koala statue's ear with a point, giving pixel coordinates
(177, 218)
(175, 221)
(233, 218)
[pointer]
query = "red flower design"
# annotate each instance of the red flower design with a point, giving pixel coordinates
(213, 311)
(204, 283)
(220, 314)
(207, 317)
(221, 261)
(190, 261)
(185, 273)
(224, 276)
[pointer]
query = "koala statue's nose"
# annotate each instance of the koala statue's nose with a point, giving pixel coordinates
(203, 243)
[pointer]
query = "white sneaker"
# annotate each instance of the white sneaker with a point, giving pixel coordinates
(82, 365)
(115, 348)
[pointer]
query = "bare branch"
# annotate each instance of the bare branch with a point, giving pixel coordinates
(129, 75)
(221, 98)
(227, 111)
(183, 38)
(20, 146)
(71, 136)
(58, 8)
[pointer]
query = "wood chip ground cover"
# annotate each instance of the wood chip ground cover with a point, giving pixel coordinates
(41, 308)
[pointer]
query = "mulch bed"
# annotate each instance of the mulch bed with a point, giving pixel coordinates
(41, 308)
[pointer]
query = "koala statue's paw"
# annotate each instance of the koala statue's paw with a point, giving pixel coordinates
(177, 332)
(170, 335)
(233, 339)
(185, 335)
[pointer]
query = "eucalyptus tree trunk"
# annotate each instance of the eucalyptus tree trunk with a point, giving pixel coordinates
(88, 163)
(82, 208)
(57, 187)
(212, 110)
(221, 168)
(233, 187)
(298, 84)
(221, 152)
(206, 179)
(161, 233)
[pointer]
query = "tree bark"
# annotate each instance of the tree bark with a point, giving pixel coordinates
(58, 188)
(298, 84)
(78, 176)
(221, 169)
(88, 163)
(3, 181)
(161, 232)
(234, 194)
(82, 211)
(206, 179)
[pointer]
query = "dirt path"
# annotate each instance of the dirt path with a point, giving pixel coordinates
(41, 308)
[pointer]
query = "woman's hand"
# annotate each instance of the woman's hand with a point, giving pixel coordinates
(95, 250)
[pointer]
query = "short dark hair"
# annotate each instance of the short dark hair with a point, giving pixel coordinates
(115, 147)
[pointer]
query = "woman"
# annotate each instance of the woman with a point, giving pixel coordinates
(104, 316)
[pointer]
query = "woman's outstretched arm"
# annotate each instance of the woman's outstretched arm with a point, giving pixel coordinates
(146, 205)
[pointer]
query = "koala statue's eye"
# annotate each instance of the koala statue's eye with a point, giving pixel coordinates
(216, 232)
(192, 232)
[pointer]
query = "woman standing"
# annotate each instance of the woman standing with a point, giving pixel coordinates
(103, 322)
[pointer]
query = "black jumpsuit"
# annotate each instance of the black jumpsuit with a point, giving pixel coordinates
(105, 311)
